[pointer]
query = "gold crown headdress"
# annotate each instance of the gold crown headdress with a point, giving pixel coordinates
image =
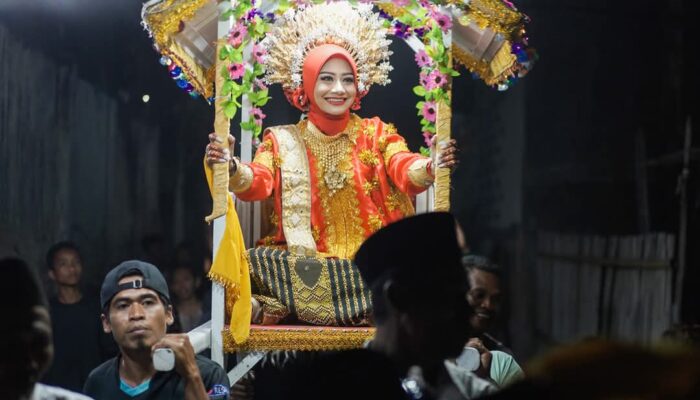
(358, 30)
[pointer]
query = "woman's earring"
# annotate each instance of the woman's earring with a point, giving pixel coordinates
(355, 104)
(304, 102)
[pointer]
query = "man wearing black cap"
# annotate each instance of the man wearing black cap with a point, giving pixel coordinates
(419, 294)
(136, 310)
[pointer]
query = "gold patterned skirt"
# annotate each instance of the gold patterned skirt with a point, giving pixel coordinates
(318, 291)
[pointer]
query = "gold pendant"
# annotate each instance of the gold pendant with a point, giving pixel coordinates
(335, 180)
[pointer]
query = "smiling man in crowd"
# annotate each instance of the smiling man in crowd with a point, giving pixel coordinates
(136, 310)
(496, 361)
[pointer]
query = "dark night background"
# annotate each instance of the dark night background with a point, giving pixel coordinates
(588, 143)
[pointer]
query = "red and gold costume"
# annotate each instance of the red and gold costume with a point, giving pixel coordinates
(357, 180)
(335, 178)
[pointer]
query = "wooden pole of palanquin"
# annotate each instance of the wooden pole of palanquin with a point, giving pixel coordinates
(222, 127)
(443, 135)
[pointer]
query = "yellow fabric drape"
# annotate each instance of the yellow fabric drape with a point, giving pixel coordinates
(231, 269)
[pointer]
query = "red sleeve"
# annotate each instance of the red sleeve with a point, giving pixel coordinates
(263, 171)
(399, 159)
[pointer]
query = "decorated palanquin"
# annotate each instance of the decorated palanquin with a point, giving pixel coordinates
(329, 191)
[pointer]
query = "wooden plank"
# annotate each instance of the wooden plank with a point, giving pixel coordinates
(610, 276)
(659, 284)
(570, 287)
(576, 297)
(564, 289)
(626, 293)
(557, 273)
(590, 286)
(543, 292)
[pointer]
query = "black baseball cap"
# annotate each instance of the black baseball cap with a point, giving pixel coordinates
(151, 279)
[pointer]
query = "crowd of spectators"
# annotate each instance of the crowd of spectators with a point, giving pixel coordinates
(436, 308)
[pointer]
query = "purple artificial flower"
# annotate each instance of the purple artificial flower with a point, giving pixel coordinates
(384, 15)
(423, 59)
(401, 3)
(252, 13)
(236, 70)
(401, 30)
(429, 111)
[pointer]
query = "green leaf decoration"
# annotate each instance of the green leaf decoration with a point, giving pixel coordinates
(226, 88)
(236, 55)
(249, 125)
(229, 109)
(419, 90)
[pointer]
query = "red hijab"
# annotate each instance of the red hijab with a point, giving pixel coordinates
(316, 58)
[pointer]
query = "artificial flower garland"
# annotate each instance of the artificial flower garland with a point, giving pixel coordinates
(421, 18)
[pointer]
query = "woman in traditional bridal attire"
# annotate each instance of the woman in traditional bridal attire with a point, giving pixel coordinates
(335, 177)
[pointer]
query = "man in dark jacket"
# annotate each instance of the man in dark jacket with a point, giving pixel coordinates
(136, 310)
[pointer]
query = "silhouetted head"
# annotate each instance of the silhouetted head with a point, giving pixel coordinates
(26, 347)
(418, 285)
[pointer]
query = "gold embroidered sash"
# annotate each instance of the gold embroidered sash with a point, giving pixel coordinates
(296, 190)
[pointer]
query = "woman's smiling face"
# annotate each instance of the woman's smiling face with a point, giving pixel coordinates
(335, 88)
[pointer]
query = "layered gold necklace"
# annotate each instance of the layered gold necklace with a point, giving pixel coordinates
(330, 152)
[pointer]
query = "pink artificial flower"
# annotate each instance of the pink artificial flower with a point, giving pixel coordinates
(258, 116)
(259, 53)
(401, 3)
(428, 138)
(425, 82)
(236, 70)
(443, 20)
(429, 111)
(237, 34)
(260, 84)
(436, 79)
(423, 59)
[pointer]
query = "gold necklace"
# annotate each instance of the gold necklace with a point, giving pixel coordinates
(330, 151)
